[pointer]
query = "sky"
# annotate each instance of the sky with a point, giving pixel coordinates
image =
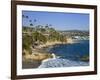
(58, 20)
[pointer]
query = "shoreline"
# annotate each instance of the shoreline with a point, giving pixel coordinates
(69, 41)
(40, 55)
(47, 44)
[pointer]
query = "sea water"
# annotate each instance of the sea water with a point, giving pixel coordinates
(71, 51)
(69, 54)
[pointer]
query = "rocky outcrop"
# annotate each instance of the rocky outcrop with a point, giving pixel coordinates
(38, 56)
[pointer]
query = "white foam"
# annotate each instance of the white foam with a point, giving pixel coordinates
(57, 62)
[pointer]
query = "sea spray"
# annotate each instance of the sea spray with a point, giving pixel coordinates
(58, 62)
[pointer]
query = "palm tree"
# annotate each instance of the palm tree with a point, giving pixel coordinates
(23, 16)
(31, 24)
(27, 17)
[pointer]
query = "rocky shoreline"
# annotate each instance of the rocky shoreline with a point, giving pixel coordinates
(39, 55)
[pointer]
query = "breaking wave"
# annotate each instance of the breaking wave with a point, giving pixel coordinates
(59, 62)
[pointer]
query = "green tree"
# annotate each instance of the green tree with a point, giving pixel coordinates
(63, 38)
(39, 37)
(27, 42)
(31, 24)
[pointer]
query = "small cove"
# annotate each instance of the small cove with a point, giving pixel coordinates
(73, 51)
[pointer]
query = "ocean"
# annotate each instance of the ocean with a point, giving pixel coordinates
(70, 55)
(73, 51)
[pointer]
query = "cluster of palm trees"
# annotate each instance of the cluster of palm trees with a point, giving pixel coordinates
(39, 34)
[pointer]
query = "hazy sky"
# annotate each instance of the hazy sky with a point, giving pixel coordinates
(58, 20)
